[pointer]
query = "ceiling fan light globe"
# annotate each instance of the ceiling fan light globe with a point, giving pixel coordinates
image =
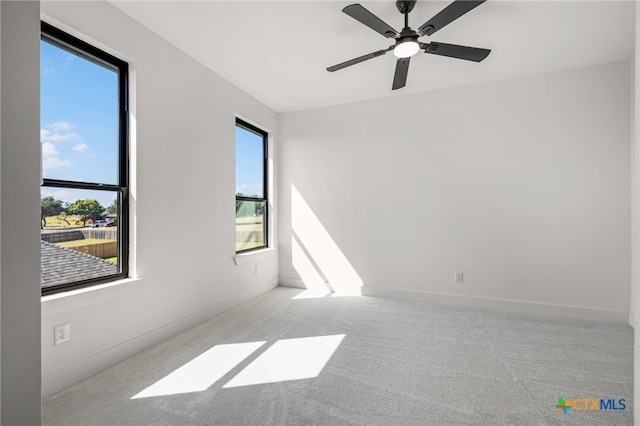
(406, 49)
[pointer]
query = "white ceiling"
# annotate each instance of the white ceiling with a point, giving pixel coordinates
(278, 52)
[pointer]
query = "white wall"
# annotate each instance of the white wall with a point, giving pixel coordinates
(20, 195)
(523, 185)
(0, 211)
(183, 204)
(634, 318)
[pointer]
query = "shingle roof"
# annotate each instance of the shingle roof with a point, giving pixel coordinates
(60, 265)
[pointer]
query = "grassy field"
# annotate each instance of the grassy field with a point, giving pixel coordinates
(88, 241)
(53, 222)
(241, 245)
(249, 232)
(248, 220)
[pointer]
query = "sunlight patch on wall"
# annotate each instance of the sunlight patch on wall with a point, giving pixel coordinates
(316, 286)
(289, 359)
(322, 250)
(203, 371)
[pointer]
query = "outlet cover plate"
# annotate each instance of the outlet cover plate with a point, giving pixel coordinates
(61, 333)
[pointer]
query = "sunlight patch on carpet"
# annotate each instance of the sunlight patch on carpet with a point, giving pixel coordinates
(289, 359)
(311, 294)
(201, 372)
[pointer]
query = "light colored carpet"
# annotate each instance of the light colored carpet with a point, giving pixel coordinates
(399, 363)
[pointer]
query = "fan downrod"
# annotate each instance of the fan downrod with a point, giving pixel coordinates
(405, 7)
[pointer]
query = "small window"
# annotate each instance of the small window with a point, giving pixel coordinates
(251, 187)
(83, 135)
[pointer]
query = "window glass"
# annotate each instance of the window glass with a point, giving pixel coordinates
(249, 163)
(83, 135)
(251, 184)
(80, 237)
(79, 117)
(250, 225)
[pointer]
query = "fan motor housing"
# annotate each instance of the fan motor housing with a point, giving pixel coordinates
(405, 7)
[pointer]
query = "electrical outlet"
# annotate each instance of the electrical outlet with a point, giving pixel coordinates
(61, 333)
(459, 277)
(257, 269)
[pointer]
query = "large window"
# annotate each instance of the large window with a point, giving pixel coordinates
(83, 135)
(251, 187)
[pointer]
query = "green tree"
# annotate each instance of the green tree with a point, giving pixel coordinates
(87, 209)
(249, 208)
(63, 215)
(49, 206)
(113, 208)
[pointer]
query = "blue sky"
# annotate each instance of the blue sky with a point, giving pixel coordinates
(79, 128)
(78, 123)
(249, 163)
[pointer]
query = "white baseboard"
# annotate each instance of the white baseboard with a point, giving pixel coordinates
(520, 306)
(292, 282)
(64, 377)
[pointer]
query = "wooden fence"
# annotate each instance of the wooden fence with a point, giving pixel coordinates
(102, 250)
(80, 234)
(62, 236)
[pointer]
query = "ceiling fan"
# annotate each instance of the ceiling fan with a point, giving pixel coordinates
(406, 42)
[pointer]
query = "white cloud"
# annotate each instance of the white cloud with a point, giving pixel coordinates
(60, 131)
(81, 147)
(55, 163)
(49, 150)
(48, 136)
(65, 195)
(51, 158)
(61, 125)
(245, 189)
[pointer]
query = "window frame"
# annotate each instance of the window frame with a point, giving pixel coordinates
(74, 45)
(265, 182)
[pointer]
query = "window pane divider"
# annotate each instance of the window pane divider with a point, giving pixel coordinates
(81, 185)
(247, 198)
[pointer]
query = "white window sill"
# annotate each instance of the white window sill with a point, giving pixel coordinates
(254, 256)
(74, 299)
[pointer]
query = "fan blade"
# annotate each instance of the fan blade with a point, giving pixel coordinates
(400, 77)
(359, 13)
(448, 15)
(358, 60)
(455, 51)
